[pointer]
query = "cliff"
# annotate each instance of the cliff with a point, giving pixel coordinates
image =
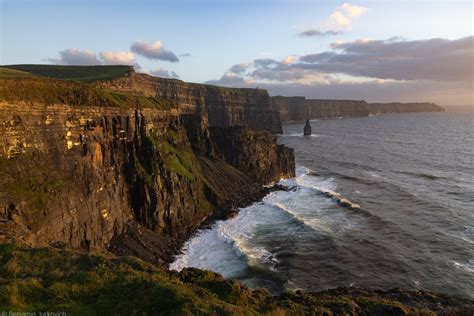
(300, 108)
(397, 107)
(224, 106)
(97, 170)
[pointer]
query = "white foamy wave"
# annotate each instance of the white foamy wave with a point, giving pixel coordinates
(299, 135)
(307, 178)
(314, 222)
(316, 211)
(373, 174)
(468, 266)
(227, 247)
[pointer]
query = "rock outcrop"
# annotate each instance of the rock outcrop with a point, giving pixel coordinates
(134, 180)
(300, 108)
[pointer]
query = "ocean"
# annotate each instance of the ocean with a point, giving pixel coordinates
(382, 202)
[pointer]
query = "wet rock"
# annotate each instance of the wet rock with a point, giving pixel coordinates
(307, 128)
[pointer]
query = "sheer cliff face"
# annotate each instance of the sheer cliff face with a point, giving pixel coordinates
(300, 108)
(128, 180)
(224, 106)
(397, 107)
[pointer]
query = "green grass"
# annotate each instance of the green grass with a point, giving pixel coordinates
(6, 73)
(45, 279)
(178, 157)
(50, 91)
(74, 73)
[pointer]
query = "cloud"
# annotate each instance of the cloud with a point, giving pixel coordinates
(396, 69)
(164, 73)
(231, 79)
(186, 55)
(343, 16)
(434, 59)
(351, 11)
(75, 56)
(430, 60)
(264, 62)
(153, 50)
(117, 58)
(240, 68)
(340, 20)
(289, 60)
(318, 33)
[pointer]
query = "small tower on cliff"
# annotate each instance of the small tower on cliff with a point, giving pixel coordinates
(307, 129)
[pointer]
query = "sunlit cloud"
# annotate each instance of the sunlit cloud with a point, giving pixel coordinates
(117, 58)
(76, 56)
(340, 20)
(153, 50)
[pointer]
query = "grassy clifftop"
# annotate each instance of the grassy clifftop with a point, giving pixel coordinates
(78, 283)
(16, 85)
(74, 73)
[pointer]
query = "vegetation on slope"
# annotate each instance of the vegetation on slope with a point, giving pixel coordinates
(75, 73)
(6, 73)
(18, 86)
(50, 279)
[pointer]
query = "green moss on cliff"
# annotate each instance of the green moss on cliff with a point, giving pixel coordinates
(78, 283)
(178, 157)
(35, 189)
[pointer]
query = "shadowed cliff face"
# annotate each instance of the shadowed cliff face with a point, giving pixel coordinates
(129, 180)
(300, 108)
(224, 106)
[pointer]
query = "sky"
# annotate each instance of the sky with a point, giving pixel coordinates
(379, 51)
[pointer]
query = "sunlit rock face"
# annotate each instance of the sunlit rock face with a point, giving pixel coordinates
(137, 181)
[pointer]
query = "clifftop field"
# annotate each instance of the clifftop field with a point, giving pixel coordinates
(73, 73)
(49, 279)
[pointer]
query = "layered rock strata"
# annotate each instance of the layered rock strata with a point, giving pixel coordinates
(136, 181)
(224, 106)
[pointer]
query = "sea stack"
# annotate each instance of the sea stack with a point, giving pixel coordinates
(307, 128)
